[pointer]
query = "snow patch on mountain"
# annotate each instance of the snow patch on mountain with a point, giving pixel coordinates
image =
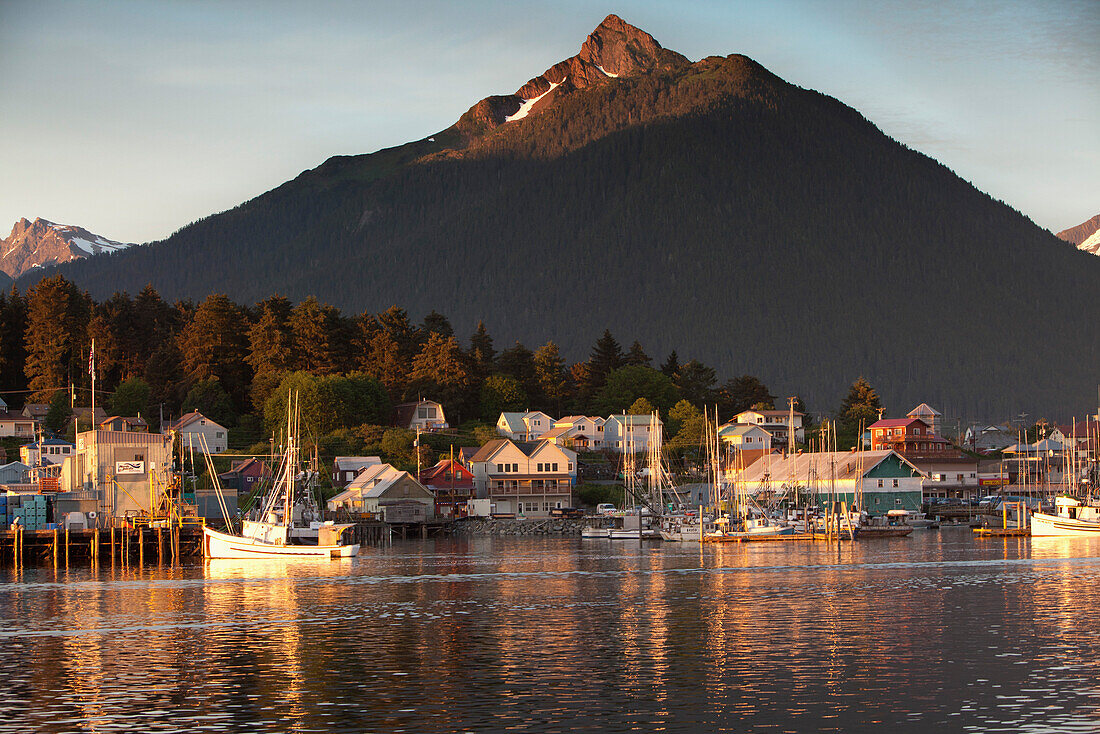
(528, 104)
(1092, 244)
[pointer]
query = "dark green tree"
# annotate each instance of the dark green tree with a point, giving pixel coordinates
(131, 398)
(552, 378)
(440, 372)
(500, 393)
(207, 396)
(434, 323)
(56, 338)
(13, 350)
(672, 365)
(215, 344)
(606, 356)
(696, 383)
(626, 384)
(861, 407)
(57, 417)
(637, 356)
(741, 393)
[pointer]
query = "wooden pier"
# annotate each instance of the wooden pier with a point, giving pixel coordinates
(111, 546)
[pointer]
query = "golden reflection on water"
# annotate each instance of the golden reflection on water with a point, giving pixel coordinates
(491, 634)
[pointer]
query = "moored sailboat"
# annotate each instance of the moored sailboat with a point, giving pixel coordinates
(271, 533)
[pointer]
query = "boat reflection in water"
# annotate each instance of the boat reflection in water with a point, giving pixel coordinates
(936, 632)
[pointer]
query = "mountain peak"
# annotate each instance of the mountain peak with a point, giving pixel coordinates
(42, 242)
(614, 49)
(620, 49)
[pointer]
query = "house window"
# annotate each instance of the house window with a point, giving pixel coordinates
(880, 482)
(219, 434)
(599, 428)
(515, 468)
(555, 465)
(500, 468)
(897, 500)
(895, 482)
(570, 466)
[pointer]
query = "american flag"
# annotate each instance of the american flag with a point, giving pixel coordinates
(91, 359)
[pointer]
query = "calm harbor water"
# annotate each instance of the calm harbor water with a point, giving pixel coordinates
(938, 631)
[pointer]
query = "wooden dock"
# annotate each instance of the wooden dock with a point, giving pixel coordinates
(789, 538)
(122, 546)
(1002, 532)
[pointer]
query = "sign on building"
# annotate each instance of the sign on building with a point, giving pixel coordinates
(129, 467)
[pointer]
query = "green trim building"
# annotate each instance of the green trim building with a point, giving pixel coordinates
(882, 480)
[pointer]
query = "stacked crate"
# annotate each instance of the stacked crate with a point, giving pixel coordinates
(30, 508)
(4, 510)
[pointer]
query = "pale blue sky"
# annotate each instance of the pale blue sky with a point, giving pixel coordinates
(134, 118)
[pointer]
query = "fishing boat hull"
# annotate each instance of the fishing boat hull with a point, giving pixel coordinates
(1043, 524)
(868, 532)
(223, 545)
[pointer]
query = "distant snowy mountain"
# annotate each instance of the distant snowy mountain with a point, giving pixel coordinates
(1085, 235)
(1092, 244)
(35, 244)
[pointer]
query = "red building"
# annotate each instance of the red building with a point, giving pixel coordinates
(907, 436)
(452, 484)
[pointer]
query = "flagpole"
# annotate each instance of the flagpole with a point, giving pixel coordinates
(95, 472)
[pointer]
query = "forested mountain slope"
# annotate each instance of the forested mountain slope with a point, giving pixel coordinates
(713, 207)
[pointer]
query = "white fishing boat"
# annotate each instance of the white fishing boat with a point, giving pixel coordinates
(272, 532)
(1071, 517)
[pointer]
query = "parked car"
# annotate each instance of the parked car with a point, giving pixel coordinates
(605, 508)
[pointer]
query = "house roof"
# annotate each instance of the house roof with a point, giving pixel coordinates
(441, 468)
(36, 410)
(737, 429)
(819, 467)
(403, 413)
(514, 422)
(770, 413)
(347, 463)
(188, 419)
(923, 409)
(896, 422)
(557, 431)
(490, 448)
(48, 442)
(9, 416)
(246, 466)
(132, 420)
(1079, 429)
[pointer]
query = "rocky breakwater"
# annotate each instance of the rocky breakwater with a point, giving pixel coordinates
(550, 526)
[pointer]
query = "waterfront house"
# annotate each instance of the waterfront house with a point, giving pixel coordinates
(244, 474)
(525, 477)
(425, 415)
(344, 468)
(16, 425)
(194, 427)
(774, 422)
(951, 475)
(132, 424)
(908, 436)
(885, 480)
(579, 432)
(528, 426)
(36, 411)
(748, 443)
(46, 451)
(452, 484)
(630, 433)
(389, 493)
(988, 439)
